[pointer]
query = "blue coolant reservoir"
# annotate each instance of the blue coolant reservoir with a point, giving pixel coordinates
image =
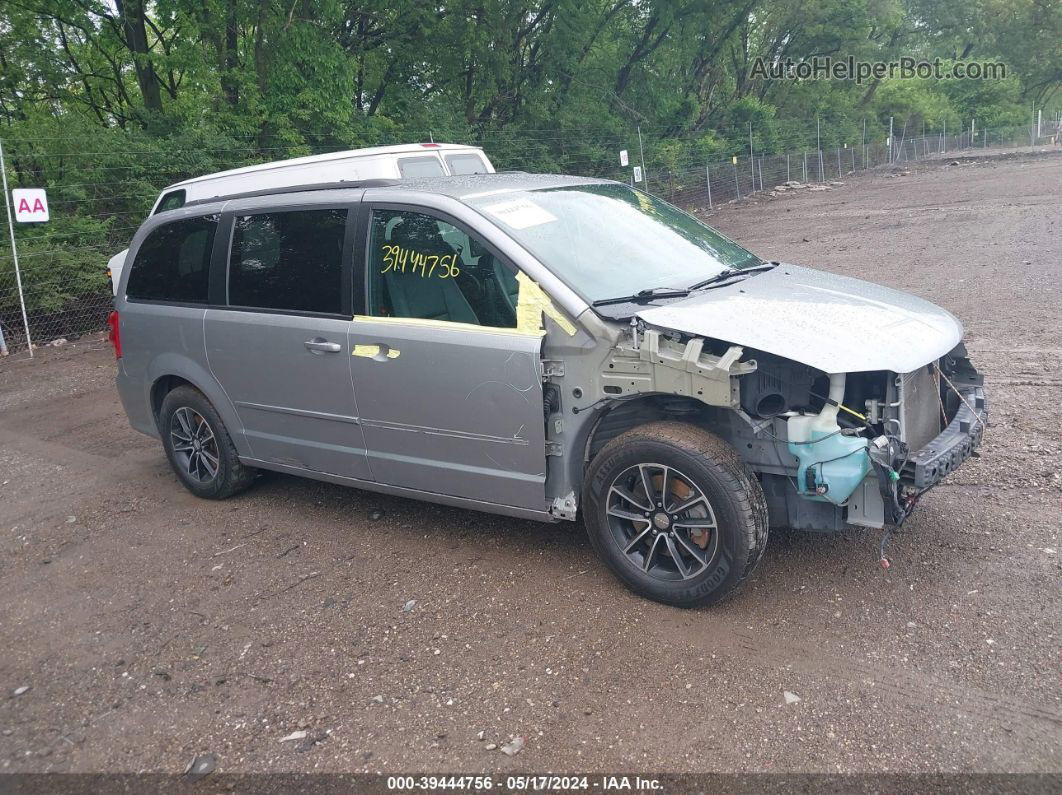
(831, 465)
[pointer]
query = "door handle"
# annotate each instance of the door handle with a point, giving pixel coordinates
(319, 345)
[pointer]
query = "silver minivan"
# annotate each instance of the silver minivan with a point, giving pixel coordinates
(544, 347)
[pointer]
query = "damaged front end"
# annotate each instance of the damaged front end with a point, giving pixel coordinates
(868, 444)
(829, 450)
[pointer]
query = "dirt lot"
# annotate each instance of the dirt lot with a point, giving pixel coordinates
(151, 626)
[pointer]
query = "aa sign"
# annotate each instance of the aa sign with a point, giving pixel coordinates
(31, 205)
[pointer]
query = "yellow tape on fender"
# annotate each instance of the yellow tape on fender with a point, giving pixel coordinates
(531, 302)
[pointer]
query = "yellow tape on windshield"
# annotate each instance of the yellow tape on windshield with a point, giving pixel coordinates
(531, 302)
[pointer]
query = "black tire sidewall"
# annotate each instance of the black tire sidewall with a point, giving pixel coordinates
(716, 482)
(187, 397)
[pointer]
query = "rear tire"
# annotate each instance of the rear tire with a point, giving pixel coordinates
(675, 514)
(199, 447)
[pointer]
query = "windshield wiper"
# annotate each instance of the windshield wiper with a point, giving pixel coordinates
(730, 273)
(645, 295)
(653, 293)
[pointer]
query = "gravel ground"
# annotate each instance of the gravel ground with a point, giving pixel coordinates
(150, 626)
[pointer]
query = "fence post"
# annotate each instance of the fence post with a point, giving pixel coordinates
(761, 172)
(14, 252)
(890, 139)
(838, 162)
(641, 156)
(805, 166)
(818, 145)
(752, 159)
(737, 182)
(788, 178)
(708, 178)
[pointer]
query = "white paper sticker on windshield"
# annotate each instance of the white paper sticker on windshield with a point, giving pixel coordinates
(520, 213)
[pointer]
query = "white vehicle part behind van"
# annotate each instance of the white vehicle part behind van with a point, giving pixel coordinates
(114, 269)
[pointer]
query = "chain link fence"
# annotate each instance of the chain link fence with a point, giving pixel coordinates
(97, 199)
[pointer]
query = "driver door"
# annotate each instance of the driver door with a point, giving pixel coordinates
(449, 390)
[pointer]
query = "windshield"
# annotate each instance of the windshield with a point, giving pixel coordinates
(609, 240)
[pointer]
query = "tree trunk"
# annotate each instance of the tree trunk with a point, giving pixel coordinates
(230, 83)
(132, 13)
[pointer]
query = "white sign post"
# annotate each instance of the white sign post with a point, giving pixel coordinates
(637, 173)
(624, 160)
(14, 248)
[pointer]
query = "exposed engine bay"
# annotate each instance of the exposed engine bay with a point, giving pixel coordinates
(830, 450)
(891, 428)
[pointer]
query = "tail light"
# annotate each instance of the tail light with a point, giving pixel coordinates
(113, 334)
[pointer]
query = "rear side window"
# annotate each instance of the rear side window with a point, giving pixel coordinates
(288, 260)
(466, 164)
(171, 201)
(428, 166)
(173, 262)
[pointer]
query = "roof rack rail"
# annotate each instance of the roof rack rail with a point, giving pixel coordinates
(342, 185)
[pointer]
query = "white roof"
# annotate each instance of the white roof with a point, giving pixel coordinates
(344, 155)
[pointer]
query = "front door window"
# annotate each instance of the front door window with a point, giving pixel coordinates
(423, 267)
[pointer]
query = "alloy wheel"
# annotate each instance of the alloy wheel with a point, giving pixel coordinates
(662, 521)
(194, 445)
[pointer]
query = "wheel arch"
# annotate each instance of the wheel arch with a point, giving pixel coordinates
(625, 414)
(162, 386)
(172, 371)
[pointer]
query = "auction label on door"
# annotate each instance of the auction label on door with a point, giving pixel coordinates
(31, 205)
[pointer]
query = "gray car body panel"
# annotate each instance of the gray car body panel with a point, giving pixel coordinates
(452, 410)
(178, 351)
(296, 406)
(832, 323)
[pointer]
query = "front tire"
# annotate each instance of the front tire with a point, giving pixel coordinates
(199, 447)
(673, 511)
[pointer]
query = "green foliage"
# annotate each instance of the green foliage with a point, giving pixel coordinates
(916, 101)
